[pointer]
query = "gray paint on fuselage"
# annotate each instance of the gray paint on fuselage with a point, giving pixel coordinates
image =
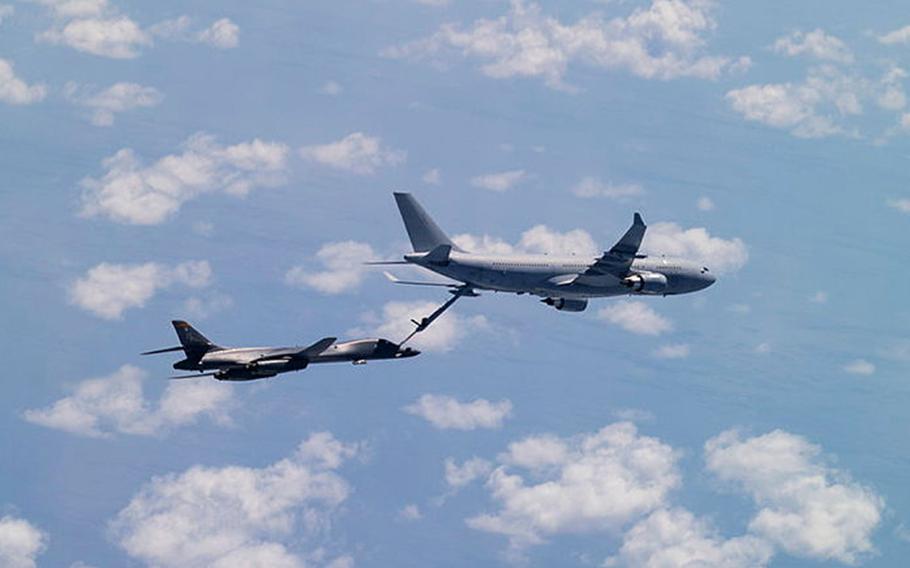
(541, 274)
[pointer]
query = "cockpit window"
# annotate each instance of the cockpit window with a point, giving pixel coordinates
(704, 269)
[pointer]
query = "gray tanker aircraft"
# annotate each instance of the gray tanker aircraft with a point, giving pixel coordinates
(250, 363)
(566, 283)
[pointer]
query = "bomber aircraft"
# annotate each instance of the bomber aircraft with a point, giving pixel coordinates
(249, 363)
(564, 282)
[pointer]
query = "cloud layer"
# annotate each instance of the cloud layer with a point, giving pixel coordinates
(132, 193)
(446, 412)
(116, 404)
(107, 290)
(233, 516)
(664, 41)
(20, 543)
(356, 153)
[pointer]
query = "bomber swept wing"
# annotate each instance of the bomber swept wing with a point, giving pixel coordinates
(615, 263)
(295, 353)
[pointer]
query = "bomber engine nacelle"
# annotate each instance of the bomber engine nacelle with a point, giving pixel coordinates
(646, 283)
(566, 304)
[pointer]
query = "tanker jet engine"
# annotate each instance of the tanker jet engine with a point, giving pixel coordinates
(249, 363)
(566, 283)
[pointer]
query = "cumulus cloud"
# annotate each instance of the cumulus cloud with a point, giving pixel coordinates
(14, 90)
(590, 187)
(20, 543)
(237, 515)
(116, 404)
(822, 104)
(806, 508)
(99, 28)
(107, 290)
(705, 204)
(539, 239)
(356, 153)
(331, 88)
(722, 256)
(410, 512)
(860, 367)
(119, 97)
(457, 476)
(223, 34)
(432, 177)
(394, 323)
(446, 412)
(602, 481)
(902, 205)
(672, 351)
(696, 243)
(500, 181)
(664, 41)
(203, 307)
(619, 481)
(635, 317)
(816, 44)
(900, 36)
(676, 537)
(342, 268)
(6, 10)
(132, 193)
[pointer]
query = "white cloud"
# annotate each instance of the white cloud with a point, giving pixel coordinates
(432, 177)
(117, 37)
(902, 205)
(817, 44)
(672, 351)
(119, 97)
(235, 515)
(720, 255)
(860, 367)
(636, 317)
(763, 348)
(102, 407)
(343, 268)
(446, 412)
(107, 290)
(663, 41)
(20, 543)
(356, 153)
(331, 88)
(410, 512)
(131, 193)
(500, 181)
(675, 537)
(705, 204)
(740, 309)
(592, 187)
(394, 323)
(539, 239)
(536, 452)
(97, 27)
(605, 480)
(457, 476)
(14, 90)
(822, 104)
(6, 10)
(202, 307)
(896, 37)
(223, 34)
(806, 508)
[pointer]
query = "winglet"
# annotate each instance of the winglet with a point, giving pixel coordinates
(628, 245)
(636, 220)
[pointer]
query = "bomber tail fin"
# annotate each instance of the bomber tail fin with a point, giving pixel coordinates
(424, 233)
(195, 345)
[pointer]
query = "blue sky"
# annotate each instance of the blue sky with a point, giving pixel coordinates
(232, 164)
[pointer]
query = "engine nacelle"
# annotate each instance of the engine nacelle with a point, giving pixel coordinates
(566, 304)
(646, 283)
